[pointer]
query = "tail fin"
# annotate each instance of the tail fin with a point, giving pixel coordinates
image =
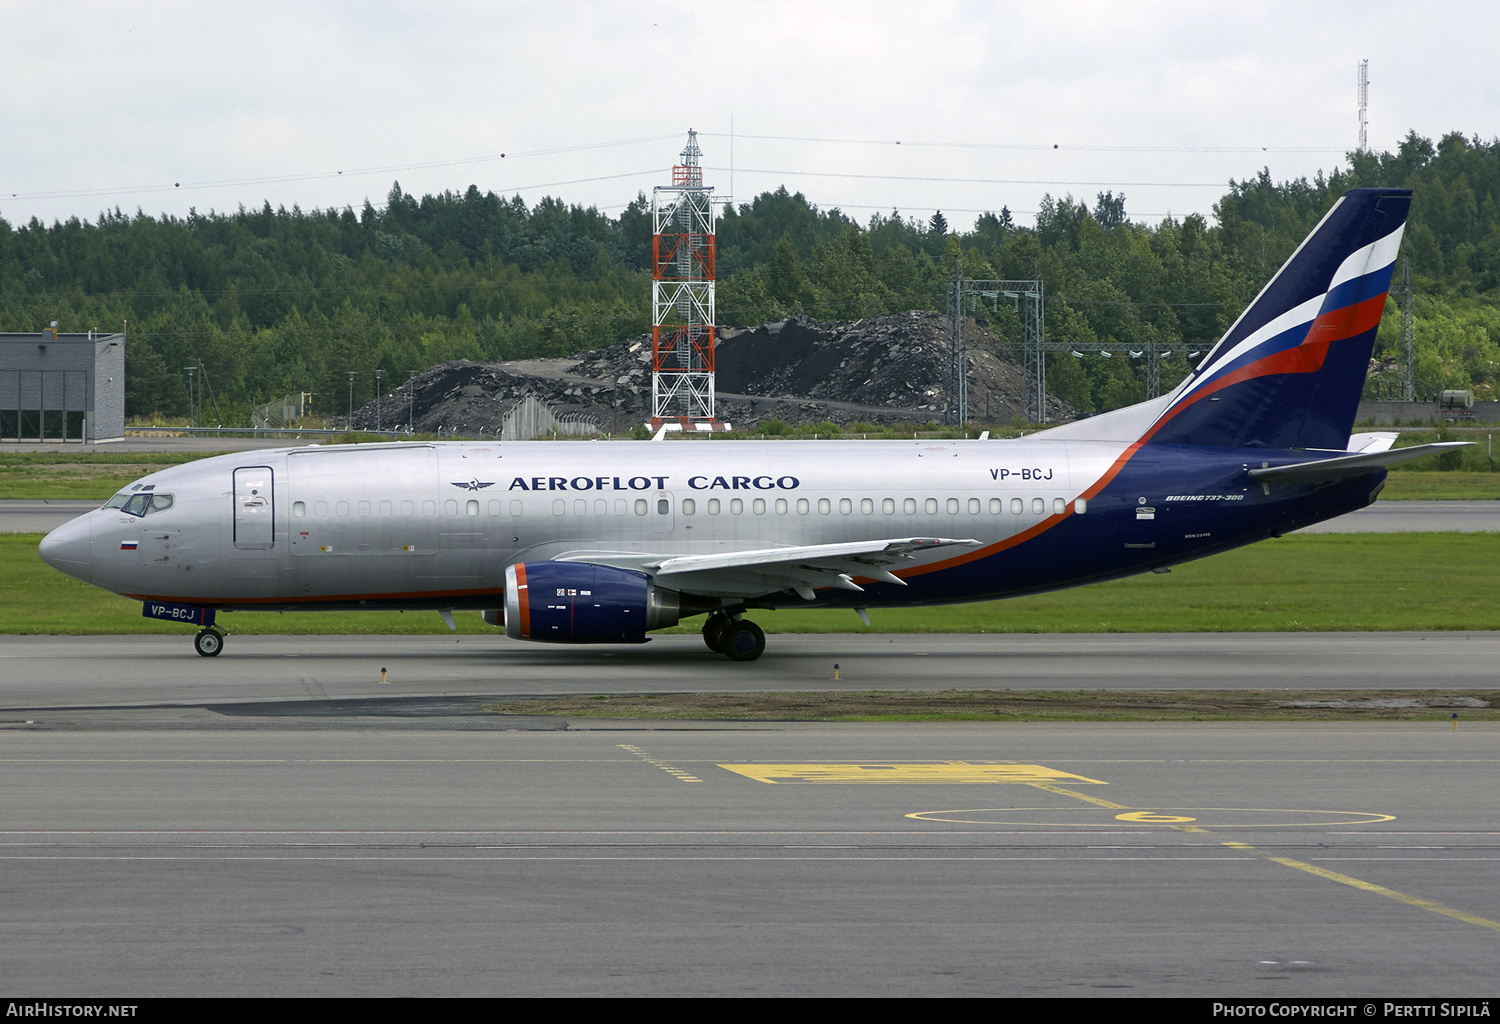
(1290, 371)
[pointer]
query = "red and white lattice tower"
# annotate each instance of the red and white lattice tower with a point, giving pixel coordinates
(682, 298)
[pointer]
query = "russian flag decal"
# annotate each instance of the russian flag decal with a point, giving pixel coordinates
(127, 545)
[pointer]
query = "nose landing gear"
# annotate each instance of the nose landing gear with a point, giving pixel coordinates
(209, 641)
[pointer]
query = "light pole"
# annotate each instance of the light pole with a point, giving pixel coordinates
(377, 400)
(348, 426)
(192, 418)
(411, 398)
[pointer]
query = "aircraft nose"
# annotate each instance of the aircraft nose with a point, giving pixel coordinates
(69, 548)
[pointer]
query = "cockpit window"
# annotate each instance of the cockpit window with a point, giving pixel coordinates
(140, 504)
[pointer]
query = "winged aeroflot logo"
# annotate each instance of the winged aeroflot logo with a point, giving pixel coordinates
(472, 485)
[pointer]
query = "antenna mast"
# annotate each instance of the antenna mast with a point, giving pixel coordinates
(682, 297)
(1364, 102)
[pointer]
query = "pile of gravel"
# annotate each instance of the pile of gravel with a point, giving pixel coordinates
(884, 370)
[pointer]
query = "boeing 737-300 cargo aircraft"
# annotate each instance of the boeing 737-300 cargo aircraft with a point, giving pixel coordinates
(602, 542)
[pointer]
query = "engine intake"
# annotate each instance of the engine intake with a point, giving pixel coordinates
(582, 603)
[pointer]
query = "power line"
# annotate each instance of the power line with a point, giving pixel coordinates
(977, 181)
(1032, 145)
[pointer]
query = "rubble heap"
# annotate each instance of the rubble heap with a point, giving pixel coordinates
(883, 370)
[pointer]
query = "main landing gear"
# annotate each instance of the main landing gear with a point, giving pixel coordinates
(738, 639)
(209, 641)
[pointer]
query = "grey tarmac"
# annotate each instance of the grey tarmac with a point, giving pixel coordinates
(640, 859)
(62, 672)
(276, 821)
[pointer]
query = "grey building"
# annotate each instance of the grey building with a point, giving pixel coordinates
(62, 387)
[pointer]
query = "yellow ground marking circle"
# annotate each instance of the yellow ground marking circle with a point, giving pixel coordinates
(1206, 817)
(1153, 818)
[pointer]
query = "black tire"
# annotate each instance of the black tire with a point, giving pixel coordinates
(744, 641)
(714, 633)
(208, 643)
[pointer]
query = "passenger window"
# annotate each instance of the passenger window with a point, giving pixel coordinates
(953, 506)
(909, 506)
(559, 507)
(1080, 506)
(515, 507)
(689, 506)
(494, 508)
(759, 506)
(888, 506)
(471, 507)
(996, 506)
(601, 507)
(580, 507)
(386, 508)
(1015, 506)
(364, 509)
(299, 509)
(824, 506)
(342, 508)
(930, 506)
(736, 506)
(408, 508)
(713, 506)
(803, 507)
(866, 506)
(320, 509)
(1059, 506)
(781, 506)
(640, 506)
(450, 507)
(619, 507)
(1038, 506)
(845, 506)
(663, 507)
(973, 506)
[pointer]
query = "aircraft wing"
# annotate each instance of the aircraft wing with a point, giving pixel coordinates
(1348, 465)
(766, 570)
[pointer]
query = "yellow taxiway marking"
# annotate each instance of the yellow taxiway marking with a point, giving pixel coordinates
(1086, 798)
(676, 773)
(1379, 890)
(947, 772)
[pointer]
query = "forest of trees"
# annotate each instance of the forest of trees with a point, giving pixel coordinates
(278, 301)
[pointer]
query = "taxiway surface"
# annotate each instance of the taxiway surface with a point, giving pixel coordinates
(618, 858)
(60, 672)
(277, 822)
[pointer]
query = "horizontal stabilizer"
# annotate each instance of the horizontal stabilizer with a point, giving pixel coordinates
(1348, 465)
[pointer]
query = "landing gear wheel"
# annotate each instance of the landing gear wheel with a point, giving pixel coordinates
(208, 642)
(744, 641)
(714, 633)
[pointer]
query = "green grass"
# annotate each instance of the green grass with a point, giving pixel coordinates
(1436, 485)
(1339, 582)
(94, 475)
(1022, 706)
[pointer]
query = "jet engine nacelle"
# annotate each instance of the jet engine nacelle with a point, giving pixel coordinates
(580, 603)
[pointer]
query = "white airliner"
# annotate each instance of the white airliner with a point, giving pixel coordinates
(602, 542)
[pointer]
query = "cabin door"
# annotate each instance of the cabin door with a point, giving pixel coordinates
(254, 508)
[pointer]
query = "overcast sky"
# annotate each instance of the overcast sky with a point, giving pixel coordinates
(170, 106)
